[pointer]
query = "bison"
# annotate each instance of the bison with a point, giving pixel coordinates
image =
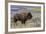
(23, 17)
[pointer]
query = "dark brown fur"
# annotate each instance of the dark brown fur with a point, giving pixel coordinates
(22, 18)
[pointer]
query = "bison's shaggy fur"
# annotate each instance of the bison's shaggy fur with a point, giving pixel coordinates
(22, 17)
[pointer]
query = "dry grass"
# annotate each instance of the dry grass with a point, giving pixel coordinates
(34, 22)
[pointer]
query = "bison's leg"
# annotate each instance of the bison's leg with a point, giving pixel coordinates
(23, 21)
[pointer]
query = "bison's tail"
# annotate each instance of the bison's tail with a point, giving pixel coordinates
(15, 20)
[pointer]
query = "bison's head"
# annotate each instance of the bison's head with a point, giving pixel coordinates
(29, 15)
